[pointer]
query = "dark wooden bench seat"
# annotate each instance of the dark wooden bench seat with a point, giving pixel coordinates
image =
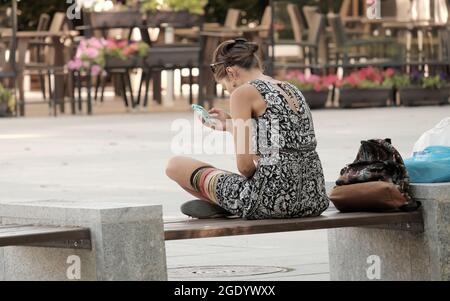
(182, 228)
(45, 236)
(195, 228)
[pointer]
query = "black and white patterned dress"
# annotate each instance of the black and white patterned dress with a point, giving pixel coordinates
(288, 181)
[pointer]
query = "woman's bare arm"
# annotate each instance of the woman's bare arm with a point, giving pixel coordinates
(241, 103)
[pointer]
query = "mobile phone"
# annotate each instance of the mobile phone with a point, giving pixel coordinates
(202, 112)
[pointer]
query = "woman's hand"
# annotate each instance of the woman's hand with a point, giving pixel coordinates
(219, 119)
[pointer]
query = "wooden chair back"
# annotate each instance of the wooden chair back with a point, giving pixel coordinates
(344, 11)
(265, 22)
(232, 18)
(316, 29)
(337, 30)
(298, 25)
(310, 12)
(44, 21)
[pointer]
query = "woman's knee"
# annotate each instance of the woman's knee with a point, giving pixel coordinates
(173, 166)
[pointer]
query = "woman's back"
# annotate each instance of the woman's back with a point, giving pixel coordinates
(287, 123)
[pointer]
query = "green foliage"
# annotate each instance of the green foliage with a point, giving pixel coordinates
(142, 49)
(6, 96)
(303, 86)
(193, 6)
(367, 84)
(399, 81)
(432, 82)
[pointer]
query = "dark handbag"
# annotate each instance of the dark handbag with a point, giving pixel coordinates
(378, 160)
(374, 196)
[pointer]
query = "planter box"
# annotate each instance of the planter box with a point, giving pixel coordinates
(115, 19)
(371, 97)
(316, 99)
(413, 96)
(117, 63)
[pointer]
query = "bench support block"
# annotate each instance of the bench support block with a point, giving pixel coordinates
(127, 242)
(394, 254)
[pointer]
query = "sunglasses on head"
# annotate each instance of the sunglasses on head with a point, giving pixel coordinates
(234, 42)
(213, 66)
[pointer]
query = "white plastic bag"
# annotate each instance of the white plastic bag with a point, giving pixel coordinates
(437, 136)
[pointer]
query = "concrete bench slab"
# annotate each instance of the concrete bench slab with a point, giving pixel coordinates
(360, 253)
(127, 242)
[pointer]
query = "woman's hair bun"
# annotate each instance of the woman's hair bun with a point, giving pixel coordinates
(252, 46)
(238, 52)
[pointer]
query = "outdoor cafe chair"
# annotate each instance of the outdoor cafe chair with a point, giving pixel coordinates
(162, 56)
(46, 55)
(37, 51)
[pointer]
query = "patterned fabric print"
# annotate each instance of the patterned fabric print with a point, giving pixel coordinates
(204, 180)
(288, 181)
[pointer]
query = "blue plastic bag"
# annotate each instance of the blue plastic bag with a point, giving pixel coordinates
(432, 165)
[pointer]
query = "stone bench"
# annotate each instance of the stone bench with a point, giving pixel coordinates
(398, 254)
(128, 240)
(62, 240)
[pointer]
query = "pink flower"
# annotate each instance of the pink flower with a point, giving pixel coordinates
(367, 73)
(329, 80)
(74, 64)
(352, 80)
(301, 76)
(91, 53)
(291, 75)
(132, 48)
(96, 43)
(313, 79)
(339, 83)
(79, 53)
(111, 44)
(389, 72)
(95, 70)
(83, 44)
(317, 87)
(122, 43)
(378, 78)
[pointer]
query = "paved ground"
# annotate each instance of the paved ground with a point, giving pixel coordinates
(122, 158)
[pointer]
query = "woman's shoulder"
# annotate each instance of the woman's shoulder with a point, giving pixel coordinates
(246, 90)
